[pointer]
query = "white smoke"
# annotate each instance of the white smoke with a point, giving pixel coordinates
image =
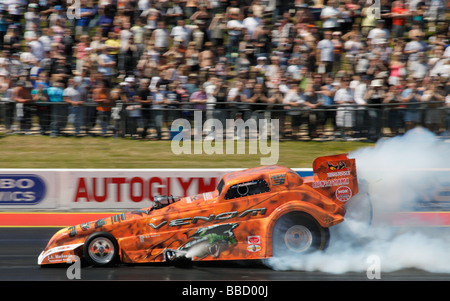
(400, 174)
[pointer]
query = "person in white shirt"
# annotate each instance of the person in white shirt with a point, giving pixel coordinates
(251, 23)
(294, 100)
(181, 31)
(325, 52)
(160, 37)
(345, 119)
(235, 29)
(360, 89)
(379, 33)
(330, 16)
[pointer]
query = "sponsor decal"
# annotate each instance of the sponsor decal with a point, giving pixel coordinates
(278, 179)
(330, 183)
(254, 243)
(338, 169)
(211, 217)
(253, 248)
(343, 193)
(345, 173)
(338, 166)
(17, 189)
(138, 189)
(254, 240)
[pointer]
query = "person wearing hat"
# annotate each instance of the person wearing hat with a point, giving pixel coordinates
(32, 17)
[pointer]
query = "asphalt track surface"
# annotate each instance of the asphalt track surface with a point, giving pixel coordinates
(20, 247)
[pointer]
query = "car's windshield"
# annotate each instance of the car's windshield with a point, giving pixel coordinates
(246, 189)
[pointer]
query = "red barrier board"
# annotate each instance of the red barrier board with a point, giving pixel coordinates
(49, 219)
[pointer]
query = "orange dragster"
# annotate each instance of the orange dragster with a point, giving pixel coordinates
(253, 214)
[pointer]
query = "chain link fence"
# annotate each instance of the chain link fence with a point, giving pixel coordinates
(348, 122)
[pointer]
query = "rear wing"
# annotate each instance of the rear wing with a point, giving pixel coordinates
(335, 177)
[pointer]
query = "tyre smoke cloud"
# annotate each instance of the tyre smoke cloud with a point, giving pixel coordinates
(399, 174)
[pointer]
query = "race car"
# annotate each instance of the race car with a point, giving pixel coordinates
(254, 213)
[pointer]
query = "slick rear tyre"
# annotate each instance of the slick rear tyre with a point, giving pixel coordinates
(298, 233)
(101, 249)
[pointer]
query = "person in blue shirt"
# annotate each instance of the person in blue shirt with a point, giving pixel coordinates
(39, 95)
(86, 15)
(413, 115)
(3, 28)
(58, 109)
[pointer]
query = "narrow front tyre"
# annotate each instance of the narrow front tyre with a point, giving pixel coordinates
(101, 249)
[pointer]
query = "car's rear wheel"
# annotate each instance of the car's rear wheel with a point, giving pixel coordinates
(101, 249)
(298, 233)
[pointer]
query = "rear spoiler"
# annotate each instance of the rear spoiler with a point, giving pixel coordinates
(335, 177)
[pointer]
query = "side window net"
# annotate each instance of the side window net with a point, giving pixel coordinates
(246, 189)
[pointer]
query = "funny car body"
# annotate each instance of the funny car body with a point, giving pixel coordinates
(255, 213)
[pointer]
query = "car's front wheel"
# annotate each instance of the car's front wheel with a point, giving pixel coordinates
(298, 233)
(101, 249)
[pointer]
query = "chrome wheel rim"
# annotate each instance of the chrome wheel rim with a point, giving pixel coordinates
(298, 238)
(101, 250)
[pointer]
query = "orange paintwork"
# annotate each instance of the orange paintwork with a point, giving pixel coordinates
(239, 228)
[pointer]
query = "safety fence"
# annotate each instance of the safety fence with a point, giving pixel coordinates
(371, 121)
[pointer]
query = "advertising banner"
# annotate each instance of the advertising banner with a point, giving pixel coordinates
(101, 189)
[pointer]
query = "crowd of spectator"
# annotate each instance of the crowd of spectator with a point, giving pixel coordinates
(348, 67)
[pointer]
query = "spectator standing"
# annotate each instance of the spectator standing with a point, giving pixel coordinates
(313, 101)
(235, 30)
(158, 103)
(399, 16)
(414, 47)
(43, 110)
(59, 109)
(374, 96)
(106, 63)
(86, 15)
(294, 102)
(181, 32)
(23, 99)
(345, 115)
(433, 94)
(174, 13)
(411, 97)
(74, 98)
(217, 29)
(395, 115)
(101, 96)
(3, 28)
(378, 34)
(330, 16)
(32, 17)
(325, 53)
(145, 99)
(128, 56)
(160, 37)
